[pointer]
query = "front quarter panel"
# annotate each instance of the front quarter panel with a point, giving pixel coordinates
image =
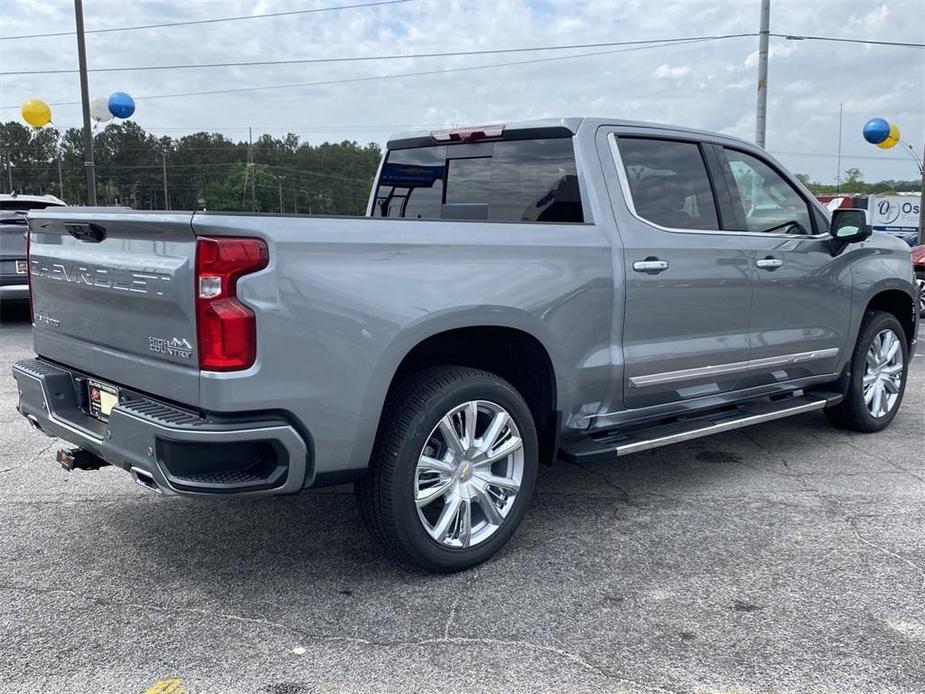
(881, 263)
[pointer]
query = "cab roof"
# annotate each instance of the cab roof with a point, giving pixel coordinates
(544, 127)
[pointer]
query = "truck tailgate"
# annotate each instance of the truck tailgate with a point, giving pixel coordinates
(112, 295)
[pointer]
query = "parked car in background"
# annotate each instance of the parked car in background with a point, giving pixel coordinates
(14, 283)
(574, 289)
(14, 279)
(24, 203)
(918, 264)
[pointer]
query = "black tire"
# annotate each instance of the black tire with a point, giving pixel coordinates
(920, 286)
(852, 413)
(386, 494)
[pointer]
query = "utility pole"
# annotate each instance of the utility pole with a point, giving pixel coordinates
(85, 103)
(9, 170)
(841, 109)
(164, 171)
(922, 200)
(761, 110)
(60, 177)
(280, 181)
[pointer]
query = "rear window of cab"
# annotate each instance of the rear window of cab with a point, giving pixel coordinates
(505, 181)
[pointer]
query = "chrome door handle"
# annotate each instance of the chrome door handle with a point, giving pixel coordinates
(650, 265)
(769, 263)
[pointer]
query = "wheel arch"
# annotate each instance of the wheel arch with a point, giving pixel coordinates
(898, 302)
(500, 340)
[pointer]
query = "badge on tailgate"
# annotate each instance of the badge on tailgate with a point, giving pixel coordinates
(173, 347)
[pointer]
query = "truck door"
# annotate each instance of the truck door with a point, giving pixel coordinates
(688, 284)
(802, 302)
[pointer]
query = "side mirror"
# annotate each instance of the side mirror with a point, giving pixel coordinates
(849, 226)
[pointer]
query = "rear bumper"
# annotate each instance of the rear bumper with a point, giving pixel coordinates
(14, 292)
(181, 451)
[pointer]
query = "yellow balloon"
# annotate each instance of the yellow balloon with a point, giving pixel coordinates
(892, 139)
(36, 113)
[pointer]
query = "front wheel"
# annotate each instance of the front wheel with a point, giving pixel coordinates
(453, 468)
(878, 376)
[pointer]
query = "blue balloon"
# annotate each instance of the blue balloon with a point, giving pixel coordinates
(121, 105)
(876, 130)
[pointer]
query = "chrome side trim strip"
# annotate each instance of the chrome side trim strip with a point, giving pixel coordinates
(786, 359)
(731, 368)
(636, 446)
(688, 374)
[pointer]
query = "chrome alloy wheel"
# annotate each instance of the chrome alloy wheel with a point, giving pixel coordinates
(468, 474)
(883, 373)
(920, 285)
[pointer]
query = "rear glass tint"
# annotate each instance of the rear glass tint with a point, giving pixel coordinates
(521, 180)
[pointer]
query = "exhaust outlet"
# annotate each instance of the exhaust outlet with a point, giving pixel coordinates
(143, 478)
(34, 422)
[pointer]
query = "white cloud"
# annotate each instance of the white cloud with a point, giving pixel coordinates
(676, 72)
(709, 85)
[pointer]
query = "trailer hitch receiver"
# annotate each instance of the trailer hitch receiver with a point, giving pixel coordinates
(79, 459)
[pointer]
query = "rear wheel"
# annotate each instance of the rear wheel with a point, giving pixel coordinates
(453, 468)
(878, 376)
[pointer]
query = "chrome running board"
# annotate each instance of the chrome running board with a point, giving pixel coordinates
(612, 444)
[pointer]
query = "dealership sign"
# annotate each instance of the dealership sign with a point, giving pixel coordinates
(895, 213)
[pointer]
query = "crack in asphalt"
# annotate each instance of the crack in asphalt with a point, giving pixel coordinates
(853, 522)
(840, 511)
(376, 643)
(451, 617)
(627, 497)
(833, 502)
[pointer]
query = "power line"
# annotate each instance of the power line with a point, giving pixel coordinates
(367, 58)
(373, 78)
(872, 157)
(839, 39)
(207, 21)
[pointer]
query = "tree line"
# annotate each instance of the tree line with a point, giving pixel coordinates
(203, 170)
(208, 170)
(853, 183)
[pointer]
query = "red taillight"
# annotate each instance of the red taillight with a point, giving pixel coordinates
(478, 132)
(225, 327)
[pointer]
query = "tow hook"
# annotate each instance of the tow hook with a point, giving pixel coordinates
(79, 459)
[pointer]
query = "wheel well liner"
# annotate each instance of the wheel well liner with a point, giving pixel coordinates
(514, 355)
(900, 304)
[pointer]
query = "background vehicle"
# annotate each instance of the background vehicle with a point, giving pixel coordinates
(579, 288)
(918, 264)
(24, 203)
(14, 284)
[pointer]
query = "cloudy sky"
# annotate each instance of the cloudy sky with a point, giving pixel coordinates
(709, 85)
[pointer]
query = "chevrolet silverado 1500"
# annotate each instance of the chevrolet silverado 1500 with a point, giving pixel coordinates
(572, 289)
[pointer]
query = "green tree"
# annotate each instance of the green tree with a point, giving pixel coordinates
(853, 183)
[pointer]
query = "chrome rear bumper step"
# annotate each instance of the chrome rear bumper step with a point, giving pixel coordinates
(619, 443)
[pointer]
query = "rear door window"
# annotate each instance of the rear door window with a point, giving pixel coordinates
(517, 180)
(668, 183)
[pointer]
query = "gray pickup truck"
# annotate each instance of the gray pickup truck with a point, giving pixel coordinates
(573, 289)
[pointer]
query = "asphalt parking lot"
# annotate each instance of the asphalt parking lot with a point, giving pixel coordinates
(785, 557)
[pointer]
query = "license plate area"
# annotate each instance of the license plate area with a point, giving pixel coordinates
(101, 398)
(21, 267)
